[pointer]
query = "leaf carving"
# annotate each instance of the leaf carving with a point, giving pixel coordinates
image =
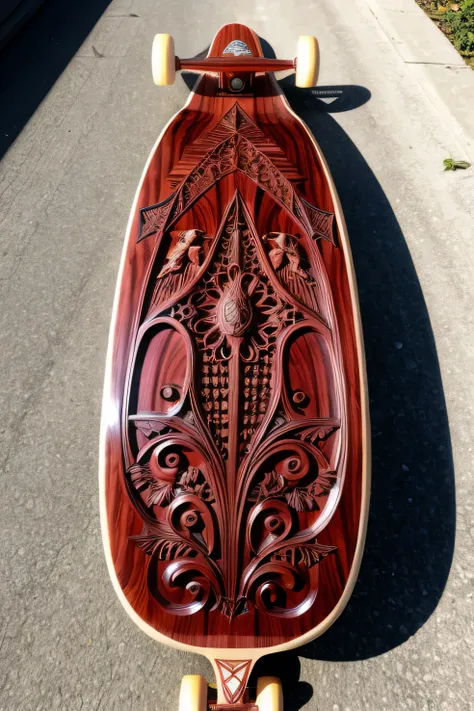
(308, 554)
(301, 500)
(157, 493)
(233, 463)
(166, 547)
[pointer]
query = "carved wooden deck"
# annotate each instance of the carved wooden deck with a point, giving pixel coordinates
(234, 452)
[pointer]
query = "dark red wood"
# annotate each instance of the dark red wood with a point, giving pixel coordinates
(233, 446)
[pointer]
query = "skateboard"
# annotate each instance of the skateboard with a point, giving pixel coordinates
(234, 455)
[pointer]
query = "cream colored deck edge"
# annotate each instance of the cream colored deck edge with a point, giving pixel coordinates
(252, 653)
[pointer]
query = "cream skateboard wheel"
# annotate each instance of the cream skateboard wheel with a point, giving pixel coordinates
(163, 61)
(193, 693)
(269, 694)
(307, 61)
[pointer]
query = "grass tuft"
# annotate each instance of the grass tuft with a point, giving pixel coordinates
(461, 27)
(456, 20)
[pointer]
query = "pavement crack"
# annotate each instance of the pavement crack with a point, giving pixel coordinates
(20, 257)
(440, 64)
(4, 632)
(56, 558)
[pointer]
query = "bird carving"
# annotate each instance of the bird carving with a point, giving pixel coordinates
(285, 247)
(181, 249)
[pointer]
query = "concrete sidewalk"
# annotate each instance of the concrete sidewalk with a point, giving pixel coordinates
(407, 639)
(433, 61)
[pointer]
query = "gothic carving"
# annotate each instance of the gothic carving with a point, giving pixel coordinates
(154, 218)
(321, 222)
(235, 480)
(234, 454)
(234, 153)
(234, 123)
(234, 676)
(236, 143)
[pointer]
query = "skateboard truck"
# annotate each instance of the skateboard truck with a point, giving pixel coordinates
(235, 68)
(196, 695)
(234, 64)
(235, 73)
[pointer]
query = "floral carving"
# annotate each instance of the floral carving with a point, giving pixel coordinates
(300, 498)
(237, 478)
(160, 489)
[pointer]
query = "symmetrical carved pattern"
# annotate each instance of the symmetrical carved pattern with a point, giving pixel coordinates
(234, 122)
(233, 294)
(234, 454)
(236, 143)
(234, 430)
(205, 476)
(234, 675)
(234, 438)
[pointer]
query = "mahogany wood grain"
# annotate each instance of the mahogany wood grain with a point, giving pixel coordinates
(233, 419)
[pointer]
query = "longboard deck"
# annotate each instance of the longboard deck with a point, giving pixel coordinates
(235, 455)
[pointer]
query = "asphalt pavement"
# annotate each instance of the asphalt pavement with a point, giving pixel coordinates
(80, 114)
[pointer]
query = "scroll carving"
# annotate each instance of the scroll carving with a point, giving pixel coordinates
(237, 467)
(168, 474)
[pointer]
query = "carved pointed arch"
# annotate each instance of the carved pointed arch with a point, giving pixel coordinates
(236, 143)
(235, 122)
(225, 444)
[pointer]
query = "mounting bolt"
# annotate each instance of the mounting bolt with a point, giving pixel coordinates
(237, 84)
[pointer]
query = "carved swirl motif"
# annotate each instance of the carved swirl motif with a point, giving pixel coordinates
(168, 474)
(235, 478)
(291, 478)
